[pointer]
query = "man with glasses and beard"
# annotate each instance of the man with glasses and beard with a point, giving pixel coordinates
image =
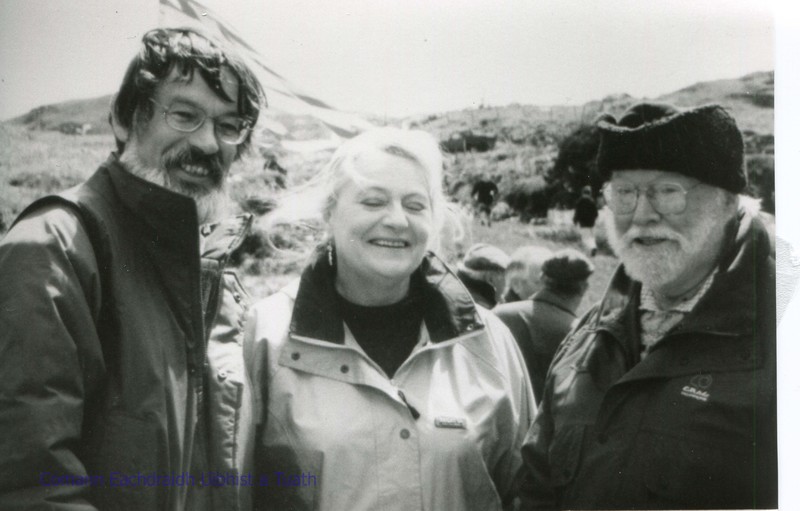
(123, 383)
(663, 396)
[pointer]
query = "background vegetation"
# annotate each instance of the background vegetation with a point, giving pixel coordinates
(540, 157)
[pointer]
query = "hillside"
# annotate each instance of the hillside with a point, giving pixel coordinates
(92, 112)
(750, 99)
(34, 162)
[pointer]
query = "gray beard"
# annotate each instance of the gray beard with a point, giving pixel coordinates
(211, 205)
(659, 266)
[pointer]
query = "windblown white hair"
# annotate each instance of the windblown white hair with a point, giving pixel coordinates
(313, 201)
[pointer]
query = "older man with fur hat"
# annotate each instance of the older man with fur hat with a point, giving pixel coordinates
(663, 396)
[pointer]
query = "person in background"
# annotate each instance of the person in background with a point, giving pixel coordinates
(380, 381)
(483, 270)
(664, 394)
(484, 193)
(585, 217)
(524, 271)
(120, 328)
(541, 322)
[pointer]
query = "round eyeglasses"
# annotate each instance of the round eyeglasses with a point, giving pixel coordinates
(665, 197)
(230, 129)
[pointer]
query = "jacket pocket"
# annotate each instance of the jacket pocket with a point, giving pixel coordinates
(565, 453)
(682, 474)
(287, 479)
(128, 459)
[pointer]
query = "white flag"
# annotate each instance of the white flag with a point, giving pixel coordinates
(281, 94)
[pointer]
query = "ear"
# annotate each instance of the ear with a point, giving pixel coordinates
(120, 132)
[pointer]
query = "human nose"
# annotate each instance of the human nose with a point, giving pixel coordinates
(205, 137)
(395, 216)
(644, 212)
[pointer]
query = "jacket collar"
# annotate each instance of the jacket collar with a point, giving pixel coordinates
(726, 308)
(222, 238)
(548, 297)
(448, 307)
(172, 217)
(482, 292)
(153, 204)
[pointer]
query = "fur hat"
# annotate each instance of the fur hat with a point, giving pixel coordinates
(703, 143)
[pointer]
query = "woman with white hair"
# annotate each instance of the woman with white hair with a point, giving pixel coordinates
(382, 386)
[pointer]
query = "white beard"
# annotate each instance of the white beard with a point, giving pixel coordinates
(665, 263)
(211, 205)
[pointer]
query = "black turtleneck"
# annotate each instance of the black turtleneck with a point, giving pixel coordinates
(386, 333)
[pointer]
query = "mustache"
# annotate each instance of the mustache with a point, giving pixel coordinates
(651, 232)
(194, 156)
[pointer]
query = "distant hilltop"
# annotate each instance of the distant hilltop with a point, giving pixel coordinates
(749, 99)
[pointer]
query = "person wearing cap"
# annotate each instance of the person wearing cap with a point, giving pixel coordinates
(584, 217)
(540, 322)
(524, 271)
(664, 394)
(483, 271)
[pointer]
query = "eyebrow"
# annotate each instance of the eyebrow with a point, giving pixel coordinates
(189, 101)
(376, 188)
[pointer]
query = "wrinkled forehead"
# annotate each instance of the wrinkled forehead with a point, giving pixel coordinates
(645, 176)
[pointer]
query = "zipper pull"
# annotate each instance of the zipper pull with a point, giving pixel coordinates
(414, 412)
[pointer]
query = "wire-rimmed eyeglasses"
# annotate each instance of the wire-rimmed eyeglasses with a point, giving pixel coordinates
(666, 197)
(230, 128)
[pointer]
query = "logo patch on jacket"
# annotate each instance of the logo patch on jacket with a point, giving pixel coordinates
(450, 422)
(698, 387)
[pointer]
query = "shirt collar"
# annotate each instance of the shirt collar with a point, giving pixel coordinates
(648, 301)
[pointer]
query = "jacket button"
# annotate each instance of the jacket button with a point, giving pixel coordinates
(295, 356)
(345, 369)
(237, 297)
(222, 374)
(404, 434)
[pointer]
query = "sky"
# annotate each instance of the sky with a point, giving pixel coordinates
(407, 57)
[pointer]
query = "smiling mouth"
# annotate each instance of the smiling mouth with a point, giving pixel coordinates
(390, 243)
(195, 170)
(648, 241)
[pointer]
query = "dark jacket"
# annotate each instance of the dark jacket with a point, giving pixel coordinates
(121, 349)
(585, 212)
(693, 425)
(538, 325)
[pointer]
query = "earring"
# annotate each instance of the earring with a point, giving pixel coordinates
(330, 249)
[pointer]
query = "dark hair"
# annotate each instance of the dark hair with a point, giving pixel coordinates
(188, 51)
(565, 271)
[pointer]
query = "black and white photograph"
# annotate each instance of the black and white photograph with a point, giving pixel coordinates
(453, 255)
